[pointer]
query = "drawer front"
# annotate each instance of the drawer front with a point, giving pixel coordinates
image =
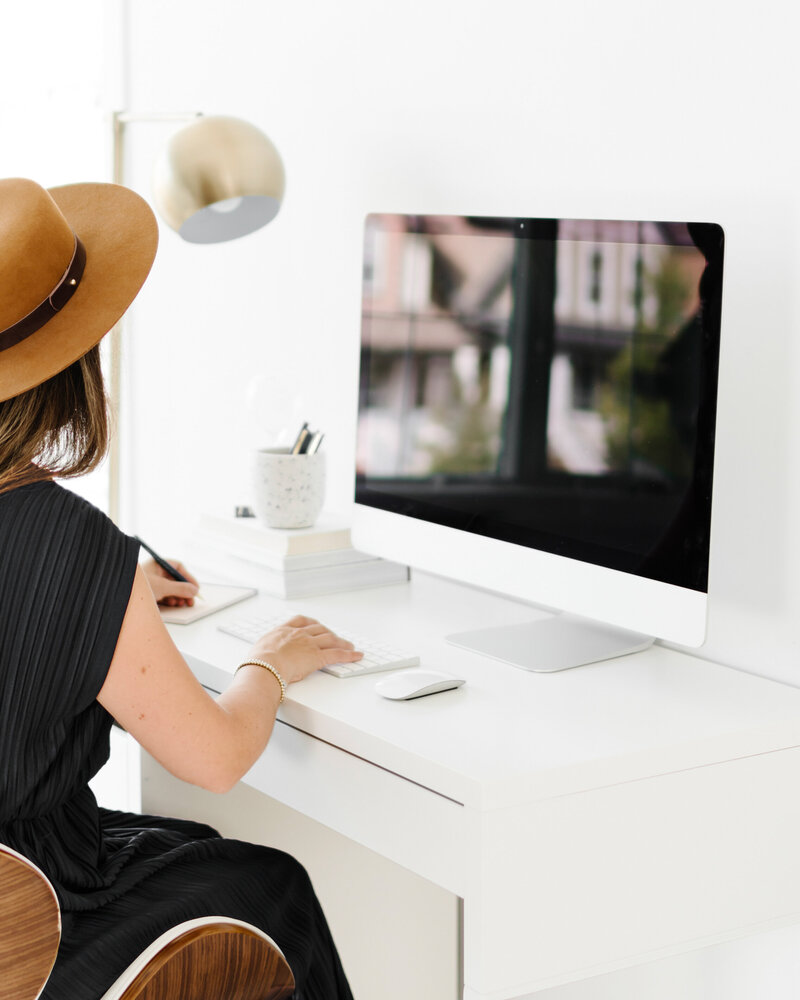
(403, 821)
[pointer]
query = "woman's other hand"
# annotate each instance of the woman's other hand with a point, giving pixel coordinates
(302, 646)
(168, 592)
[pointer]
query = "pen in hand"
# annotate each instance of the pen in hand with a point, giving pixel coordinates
(167, 567)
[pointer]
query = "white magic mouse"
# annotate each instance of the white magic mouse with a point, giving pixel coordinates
(410, 684)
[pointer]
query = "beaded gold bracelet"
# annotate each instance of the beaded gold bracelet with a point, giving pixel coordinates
(272, 670)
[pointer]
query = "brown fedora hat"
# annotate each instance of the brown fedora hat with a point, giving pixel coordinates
(71, 262)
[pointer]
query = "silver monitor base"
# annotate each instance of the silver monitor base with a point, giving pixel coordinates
(551, 644)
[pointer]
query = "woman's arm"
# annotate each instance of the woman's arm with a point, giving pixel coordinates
(153, 694)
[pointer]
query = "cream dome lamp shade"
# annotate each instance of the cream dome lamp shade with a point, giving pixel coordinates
(218, 178)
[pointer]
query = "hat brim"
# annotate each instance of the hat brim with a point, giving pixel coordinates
(120, 234)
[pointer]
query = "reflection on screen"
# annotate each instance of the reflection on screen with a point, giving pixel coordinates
(548, 382)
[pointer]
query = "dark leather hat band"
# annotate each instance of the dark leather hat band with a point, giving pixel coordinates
(54, 302)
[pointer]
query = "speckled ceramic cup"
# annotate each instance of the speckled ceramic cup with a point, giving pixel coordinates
(288, 490)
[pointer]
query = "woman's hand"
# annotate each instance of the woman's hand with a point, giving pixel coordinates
(168, 592)
(302, 646)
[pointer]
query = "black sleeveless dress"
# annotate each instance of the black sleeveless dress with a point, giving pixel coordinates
(66, 574)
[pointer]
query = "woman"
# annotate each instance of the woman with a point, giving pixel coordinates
(82, 642)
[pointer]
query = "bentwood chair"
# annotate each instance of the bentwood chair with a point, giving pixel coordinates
(211, 958)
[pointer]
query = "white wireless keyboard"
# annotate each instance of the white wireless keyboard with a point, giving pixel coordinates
(378, 656)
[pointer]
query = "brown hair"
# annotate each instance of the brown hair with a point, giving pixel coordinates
(59, 428)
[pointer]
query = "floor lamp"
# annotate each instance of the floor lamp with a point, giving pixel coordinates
(216, 179)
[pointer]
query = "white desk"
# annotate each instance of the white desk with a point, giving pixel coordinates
(589, 820)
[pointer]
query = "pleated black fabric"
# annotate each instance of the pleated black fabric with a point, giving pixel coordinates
(66, 574)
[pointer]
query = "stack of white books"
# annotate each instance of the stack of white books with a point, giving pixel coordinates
(295, 562)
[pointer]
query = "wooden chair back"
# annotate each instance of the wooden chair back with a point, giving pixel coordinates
(203, 958)
(210, 957)
(30, 927)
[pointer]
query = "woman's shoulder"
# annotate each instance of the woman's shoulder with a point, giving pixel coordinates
(48, 496)
(46, 511)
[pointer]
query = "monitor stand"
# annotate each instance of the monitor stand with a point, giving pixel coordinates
(551, 644)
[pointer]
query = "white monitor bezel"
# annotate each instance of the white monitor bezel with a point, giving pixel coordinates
(662, 610)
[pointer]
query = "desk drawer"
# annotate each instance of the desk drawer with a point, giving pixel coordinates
(405, 822)
(411, 825)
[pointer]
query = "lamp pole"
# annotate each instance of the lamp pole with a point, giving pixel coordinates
(119, 122)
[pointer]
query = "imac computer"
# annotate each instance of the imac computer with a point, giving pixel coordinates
(537, 410)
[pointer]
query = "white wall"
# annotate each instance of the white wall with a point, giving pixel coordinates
(51, 93)
(624, 109)
(53, 127)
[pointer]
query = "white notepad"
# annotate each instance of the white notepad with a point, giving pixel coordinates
(216, 596)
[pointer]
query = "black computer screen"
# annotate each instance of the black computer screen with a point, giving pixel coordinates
(550, 383)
